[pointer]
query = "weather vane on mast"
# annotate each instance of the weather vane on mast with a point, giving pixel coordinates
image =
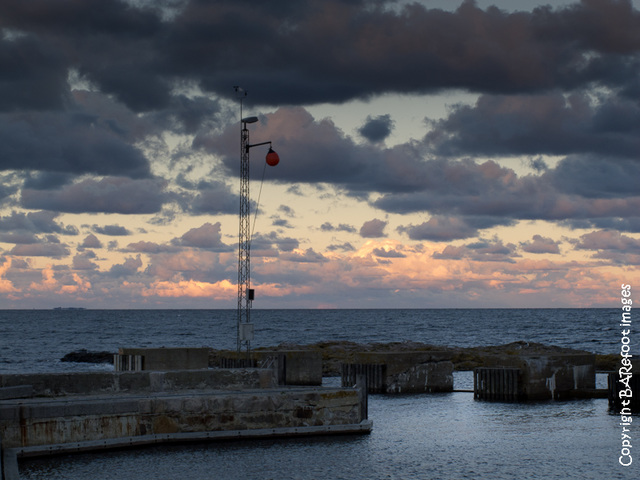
(245, 292)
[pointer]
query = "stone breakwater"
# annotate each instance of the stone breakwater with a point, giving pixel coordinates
(336, 353)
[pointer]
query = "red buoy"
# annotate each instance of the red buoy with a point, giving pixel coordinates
(272, 158)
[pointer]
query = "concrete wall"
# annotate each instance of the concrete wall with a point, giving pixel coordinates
(88, 383)
(300, 367)
(48, 421)
(545, 377)
(406, 372)
(170, 358)
(291, 367)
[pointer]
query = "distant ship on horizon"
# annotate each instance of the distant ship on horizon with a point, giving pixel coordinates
(69, 308)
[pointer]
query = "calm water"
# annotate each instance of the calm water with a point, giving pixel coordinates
(444, 436)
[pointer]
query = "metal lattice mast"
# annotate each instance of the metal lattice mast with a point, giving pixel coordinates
(245, 292)
(244, 243)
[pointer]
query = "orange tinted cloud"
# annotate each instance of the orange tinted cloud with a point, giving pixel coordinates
(5, 285)
(223, 290)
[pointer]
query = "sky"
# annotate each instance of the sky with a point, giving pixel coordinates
(433, 154)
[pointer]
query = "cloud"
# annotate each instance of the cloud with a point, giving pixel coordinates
(82, 261)
(6, 286)
(550, 123)
(403, 49)
(343, 227)
(388, 253)
(262, 244)
(91, 241)
(108, 195)
(112, 230)
(440, 229)
(373, 228)
(345, 247)
(214, 197)
(66, 143)
(540, 244)
(129, 267)
(612, 246)
(222, 290)
(149, 247)
(377, 129)
(481, 251)
(207, 236)
(306, 256)
(310, 151)
(35, 222)
(608, 240)
(54, 250)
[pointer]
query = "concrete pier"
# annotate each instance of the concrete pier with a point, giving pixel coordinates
(90, 411)
(401, 372)
(291, 367)
(180, 358)
(535, 377)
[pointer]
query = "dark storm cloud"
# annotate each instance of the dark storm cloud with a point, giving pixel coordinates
(33, 72)
(592, 176)
(65, 143)
(630, 224)
(552, 124)
(108, 195)
(300, 52)
(405, 49)
(46, 180)
(377, 129)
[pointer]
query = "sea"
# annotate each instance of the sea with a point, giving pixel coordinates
(446, 436)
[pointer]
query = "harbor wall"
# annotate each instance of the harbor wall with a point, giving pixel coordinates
(51, 421)
(91, 383)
